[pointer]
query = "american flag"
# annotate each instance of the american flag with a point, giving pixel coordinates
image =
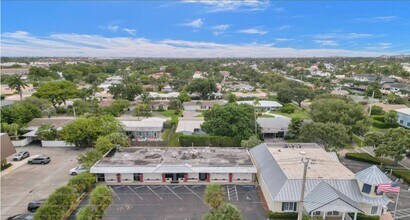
(389, 187)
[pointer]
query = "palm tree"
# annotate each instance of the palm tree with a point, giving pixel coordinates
(214, 196)
(16, 82)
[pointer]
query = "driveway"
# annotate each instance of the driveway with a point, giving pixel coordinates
(22, 183)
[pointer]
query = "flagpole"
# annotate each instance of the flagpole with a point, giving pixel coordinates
(397, 202)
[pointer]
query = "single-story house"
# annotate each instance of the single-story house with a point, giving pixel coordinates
(276, 127)
(190, 126)
(201, 104)
(150, 128)
(241, 87)
(159, 105)
(175, 165)
(6, 149)
(331, 190)
(264, 105)
(365, 77)
(404, 117)
(167, 88)
(163, 96)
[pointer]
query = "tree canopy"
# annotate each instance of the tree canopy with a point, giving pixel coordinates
(327, 134)
(58, 92)
(204, 87)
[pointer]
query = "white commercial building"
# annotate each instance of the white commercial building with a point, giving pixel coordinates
(141, 165)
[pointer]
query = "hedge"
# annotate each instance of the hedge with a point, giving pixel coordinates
(365, 157)
(284, 215)
(403, 174)
(208, 140)
(361, 216)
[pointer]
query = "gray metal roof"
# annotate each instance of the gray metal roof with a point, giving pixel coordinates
(372, 176)
(324, 194)
(274, 124)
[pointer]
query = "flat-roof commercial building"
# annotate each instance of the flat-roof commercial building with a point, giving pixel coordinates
(175, 165)
(331, 190)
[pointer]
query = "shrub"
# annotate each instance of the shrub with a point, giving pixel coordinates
(377, 110)
(289, 109)
(403, 174)
(284, 215)
(365, 157)
(82, 183)
(207, 140)
(57, 205)
(361, 216)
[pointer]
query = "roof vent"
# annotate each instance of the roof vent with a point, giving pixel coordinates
(302, 153)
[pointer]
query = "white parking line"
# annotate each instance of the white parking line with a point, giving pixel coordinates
(154, 192)
(115, 194)
(135, 193)
(229, 195)
(173, 192)
(137, 187)
(404, 216)
(194, 193)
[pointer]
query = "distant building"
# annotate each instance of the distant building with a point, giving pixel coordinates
(6, 149)
(159, 105)
(150, 128)
(167, 88)
(201, 104)
(365, 77)
(264, 105)
(190, 126)
(175, 165)
(162, 96)
(198, 75)
(404, 117)
(331, 190)
(242, 87)
(274, 127)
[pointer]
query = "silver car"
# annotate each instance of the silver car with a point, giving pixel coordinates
(77, 170)
(21, 155)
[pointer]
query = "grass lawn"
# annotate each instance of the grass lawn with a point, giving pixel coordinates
(266, 116)
(167, 113)
(199, 116)
(164, 135)
(174, 139)
(298, 113)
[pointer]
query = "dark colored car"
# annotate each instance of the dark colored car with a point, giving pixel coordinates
(21, 217)
(21, 155)
(34, 205)
(40, 160)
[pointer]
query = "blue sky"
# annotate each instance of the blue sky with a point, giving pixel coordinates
(203, 28)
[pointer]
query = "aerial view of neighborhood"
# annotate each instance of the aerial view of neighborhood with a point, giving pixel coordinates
(205, 110)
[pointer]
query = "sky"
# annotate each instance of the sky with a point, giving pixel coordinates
(205, 28)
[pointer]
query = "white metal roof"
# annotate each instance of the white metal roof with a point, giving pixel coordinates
(372, 176)
(404, 111)
(189, 125)
(262, 103)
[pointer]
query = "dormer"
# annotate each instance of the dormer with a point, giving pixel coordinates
(369, 179)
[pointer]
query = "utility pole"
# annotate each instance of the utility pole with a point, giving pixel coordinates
(370, 109)
(305, 162)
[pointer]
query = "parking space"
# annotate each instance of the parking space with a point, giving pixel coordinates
(24, 183)
(176, 202)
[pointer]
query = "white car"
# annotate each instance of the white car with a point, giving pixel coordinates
(77, 170)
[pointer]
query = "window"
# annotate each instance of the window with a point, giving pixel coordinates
(408, 123)
(366, 188)
(334, 213)
(374, 210)
(289, 206)
(401, 121)
(317, 213)
(375, 191)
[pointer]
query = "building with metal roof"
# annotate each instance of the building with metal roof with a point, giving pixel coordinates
(404, 117)
(276, 127)
(263, 104)
(330, 190)
(150, 128)
(177, 165)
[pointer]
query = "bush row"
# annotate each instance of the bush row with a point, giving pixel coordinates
(361, 216)
(284, 215)
(403, 174)
(64, 199)
(365, 157)
(208, 140)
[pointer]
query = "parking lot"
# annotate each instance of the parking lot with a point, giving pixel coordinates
(23, 183)
(177, 202)
(403, 208)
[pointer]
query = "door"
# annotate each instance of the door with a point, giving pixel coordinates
(202, 176)
(118, 178)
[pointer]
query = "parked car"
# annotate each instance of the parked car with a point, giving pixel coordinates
(21, 155)
(39, 160)
(34, 205)
(21, 217)
(77, 170)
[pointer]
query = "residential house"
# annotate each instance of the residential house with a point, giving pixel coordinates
(395, 87)
(201, 104)
(225, 74)
(365, 77)
(198, 75)
(190, 126)
(331, 190)
(276, 127)
(158, 75)
(150, 128)
(180, 165)
(57, 122)
(241, 87)
(264, 105)
(6, 149)
(167, 88)
(404, 117)
(159, 105)
(162, 96)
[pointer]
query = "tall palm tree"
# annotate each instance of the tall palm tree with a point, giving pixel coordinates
(16, 82)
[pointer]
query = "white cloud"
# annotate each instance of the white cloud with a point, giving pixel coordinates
(130, 31)
(283, 27)
(252, 31)
(221, 27)
(342, 36)
(326, 42)
(21, 43)
(283, 39)
(380, 46)
(197, 23)
(232, 5)
(376, 19)
(112, 28)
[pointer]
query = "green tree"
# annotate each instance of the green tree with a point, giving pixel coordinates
(83, 132)
(251, 142)
(89, 158)
(39, 74)
(225, 212)
(119, 139)
(214, 196)
(142, 110)
(127, 91)
(285, 95)
(103, 144)
(85, 213)
(373, 139)
(232, 120)
(340, 111)
(11, 129)
(16, 82)
(184, 97)
(20, 113)
(46, 132)
(395, 144)
(204, 87)
(232, 98)
(117, 108)
(300, 94)
(82, 182)
(327, 134)
(57, 92)
(391, 118)
(377, 110)
(295, 125)
(100, 200)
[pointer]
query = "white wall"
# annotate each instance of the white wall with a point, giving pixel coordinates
(21, 143)
(244, 177)
(56, 144)
(152, 177)
(218, 177)
(110, 177)
(127, 177)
